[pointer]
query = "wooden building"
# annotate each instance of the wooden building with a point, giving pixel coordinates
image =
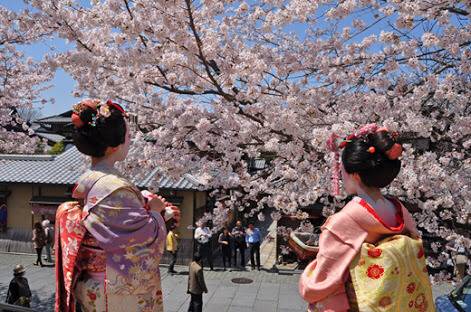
(32, 186)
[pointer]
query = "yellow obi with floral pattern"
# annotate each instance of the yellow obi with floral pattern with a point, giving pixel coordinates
(391, 276)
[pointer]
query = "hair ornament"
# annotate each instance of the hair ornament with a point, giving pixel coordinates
(78, 108)
(395, 151)
(335, 166)
(110, 103)
(76, 121)
(104, 111)
(93, 122)
(101, 110)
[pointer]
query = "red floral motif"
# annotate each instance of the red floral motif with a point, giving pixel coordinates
(375, 271)
(420, 302)
(91, 295)
(421, 253)
(93, 200)
(411, 288)
(411, 303)
(385, 301)
(374, 252)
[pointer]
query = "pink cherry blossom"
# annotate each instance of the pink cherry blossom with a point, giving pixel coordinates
(219, 84)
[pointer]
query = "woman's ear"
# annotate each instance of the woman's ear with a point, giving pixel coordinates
(110, 150)
(357, 178)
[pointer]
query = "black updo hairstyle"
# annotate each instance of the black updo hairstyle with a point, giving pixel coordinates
(375, 169)
(107, 132)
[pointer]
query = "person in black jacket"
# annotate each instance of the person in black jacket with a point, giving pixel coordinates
(225, 239)
(18, 291)
(238, 234)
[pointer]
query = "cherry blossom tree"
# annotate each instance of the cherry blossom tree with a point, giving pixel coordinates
(218, 83)
(21, 81)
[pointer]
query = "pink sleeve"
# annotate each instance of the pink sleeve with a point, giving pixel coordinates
(325, 276)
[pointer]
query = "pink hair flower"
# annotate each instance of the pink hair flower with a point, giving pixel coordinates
(104, 111)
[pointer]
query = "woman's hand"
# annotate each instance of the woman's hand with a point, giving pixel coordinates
(172, 212)
(157, 203)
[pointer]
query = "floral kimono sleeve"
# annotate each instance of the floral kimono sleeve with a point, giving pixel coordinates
(120, 220)
(132, 238)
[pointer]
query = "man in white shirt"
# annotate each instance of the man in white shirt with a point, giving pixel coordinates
(203, 243)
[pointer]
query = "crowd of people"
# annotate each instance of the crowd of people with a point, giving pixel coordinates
(230, 243)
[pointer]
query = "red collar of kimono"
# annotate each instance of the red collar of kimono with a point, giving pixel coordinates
(399, 217)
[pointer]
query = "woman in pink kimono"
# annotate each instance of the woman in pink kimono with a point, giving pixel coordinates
(109, 242)
(370, 161)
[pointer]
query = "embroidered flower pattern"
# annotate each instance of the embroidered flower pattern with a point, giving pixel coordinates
(91, 295)
(93, 200)
(375, 271)
(411, 288)
(421, 303)
(374, 252)
(385, 301)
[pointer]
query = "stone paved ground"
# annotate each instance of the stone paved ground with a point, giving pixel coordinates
(268, 292)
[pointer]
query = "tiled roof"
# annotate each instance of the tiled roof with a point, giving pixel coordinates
(55, 119)
(61, 118)
(62, 169)
(66, 168)
(51, 136)
(187, 182)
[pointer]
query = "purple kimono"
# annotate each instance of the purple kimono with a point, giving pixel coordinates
(110, 248)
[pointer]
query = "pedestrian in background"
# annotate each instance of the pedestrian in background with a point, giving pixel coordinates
(238, 234)
(225, 240)
(39, 240)
(196, 284)
(172, 247)
(18, 292)
(253, 238)
(49, 232)
(203, 240)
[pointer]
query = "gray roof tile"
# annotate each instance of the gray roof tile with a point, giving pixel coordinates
(67, 167)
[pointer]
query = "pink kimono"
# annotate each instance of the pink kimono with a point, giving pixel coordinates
(323, 280)
(108, 249)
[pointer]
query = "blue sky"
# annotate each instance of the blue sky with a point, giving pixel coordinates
(62, 84)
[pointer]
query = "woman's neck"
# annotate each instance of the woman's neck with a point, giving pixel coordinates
(103, 163)
(371, 192)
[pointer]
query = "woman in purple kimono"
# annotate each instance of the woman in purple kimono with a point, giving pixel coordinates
(109, 242)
